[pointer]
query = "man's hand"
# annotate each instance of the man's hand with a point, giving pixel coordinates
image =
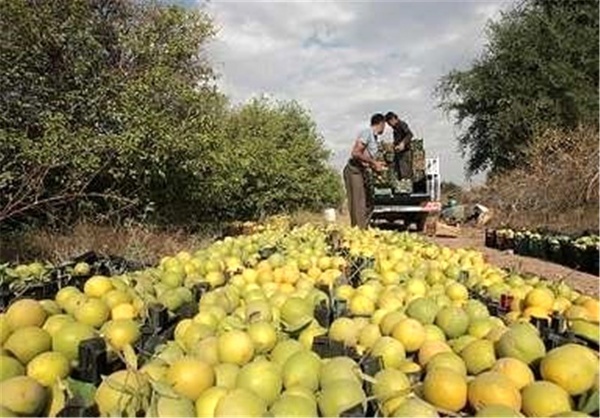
(400, 147)
(378, 166)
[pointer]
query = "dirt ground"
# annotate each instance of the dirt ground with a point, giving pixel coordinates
(474, 238)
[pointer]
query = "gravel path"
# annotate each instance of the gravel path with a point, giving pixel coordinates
(474, 238)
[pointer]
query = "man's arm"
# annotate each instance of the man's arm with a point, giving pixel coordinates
(358, 152)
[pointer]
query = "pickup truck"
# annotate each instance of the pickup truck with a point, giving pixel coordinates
(414, 203)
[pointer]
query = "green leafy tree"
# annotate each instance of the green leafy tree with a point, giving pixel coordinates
(274, 161)
(539, 71)
(109, 106)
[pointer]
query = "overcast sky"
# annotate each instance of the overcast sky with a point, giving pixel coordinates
(346, 60)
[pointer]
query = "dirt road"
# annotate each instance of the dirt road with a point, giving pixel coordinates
(474, 238)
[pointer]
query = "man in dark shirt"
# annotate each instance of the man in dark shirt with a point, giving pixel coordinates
(402, 137)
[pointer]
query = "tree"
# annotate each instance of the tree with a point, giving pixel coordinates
(273, 161)
(109, 106)
(102, 101)
(539, 70)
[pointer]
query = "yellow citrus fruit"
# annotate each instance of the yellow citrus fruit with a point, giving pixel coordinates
(545, 399)
(516, 370)
(48, 367)
(115, 297)
(572, 367)
(492, 388)
(430, 349)
(123, 311)
(541, 298)
(445, 388)
(410, 333)
(25, 313)
(121, 332)
(190, 377)
(93, 312)
(97, 286)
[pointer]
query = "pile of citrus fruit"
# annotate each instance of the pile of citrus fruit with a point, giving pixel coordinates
(250, 349)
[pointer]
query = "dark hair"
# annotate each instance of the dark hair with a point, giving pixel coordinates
(390, 115)
(376, 119)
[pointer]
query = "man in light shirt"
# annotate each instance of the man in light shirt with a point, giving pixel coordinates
(364, 152)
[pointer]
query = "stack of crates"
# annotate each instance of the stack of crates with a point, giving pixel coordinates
(418, 159)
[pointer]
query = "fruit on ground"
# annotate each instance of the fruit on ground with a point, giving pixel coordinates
(423, 309)
(497, 411)
(338, 368)
(5, 329)
(448, 360)
(344, 330)
(121, 391)
(208, 400)
(341, 396)
(302, 369)
(540, 298)
(71, 334)
(390, 350)
(283, 350)
(10, 367)
(261, 377)
(453, 321)
(545, 399)
(26, 343)
(55, 322)
(226, 375)
(25, 313)
(492, 388)
(410, 333)
(235, 347)
(93, 312)
(390, 383)
(97, 286)
(263, 336)
(445, 389)
(415, 407)
(190, 377)
(572, 367)
(430, 349)
(516, 370)
(240, 403)
(121, 332)
(48, 367)
(174, 407)
(521, 342)
(23, 395)
(479, 356)
(294, 406)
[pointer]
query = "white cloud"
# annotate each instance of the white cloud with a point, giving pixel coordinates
(347, 60)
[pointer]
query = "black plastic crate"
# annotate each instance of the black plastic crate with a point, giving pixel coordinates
(37, 290)
(323, 314)
(490, 238)
(74, 408)
(94, 362)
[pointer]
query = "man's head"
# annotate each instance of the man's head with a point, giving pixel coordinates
(392, 119)
(378, 123)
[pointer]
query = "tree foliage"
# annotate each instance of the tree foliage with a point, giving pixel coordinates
(110, 105)
(539, 70)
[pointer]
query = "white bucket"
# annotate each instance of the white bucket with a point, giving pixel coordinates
(329, 215)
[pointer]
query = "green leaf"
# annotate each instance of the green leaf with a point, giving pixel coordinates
(82, 390)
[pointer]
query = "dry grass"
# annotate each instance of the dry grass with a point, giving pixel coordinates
(557, 189)
(136, 242)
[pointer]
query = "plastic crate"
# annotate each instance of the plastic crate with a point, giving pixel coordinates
(490, 238)
(37, 290)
